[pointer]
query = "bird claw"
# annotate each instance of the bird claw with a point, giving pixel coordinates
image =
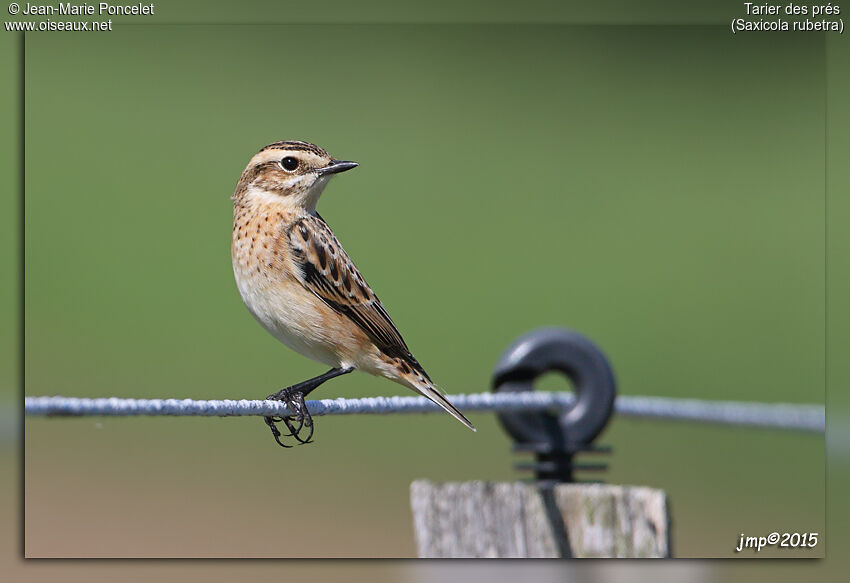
(270, 421)
(294, 400)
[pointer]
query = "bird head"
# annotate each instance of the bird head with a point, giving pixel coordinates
(291, 173)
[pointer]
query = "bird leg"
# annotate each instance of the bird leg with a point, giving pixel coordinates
(294, 398)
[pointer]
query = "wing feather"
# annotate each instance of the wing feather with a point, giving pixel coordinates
(328, 272)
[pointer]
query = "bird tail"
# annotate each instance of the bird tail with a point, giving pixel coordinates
(426, 388)
(407, 371)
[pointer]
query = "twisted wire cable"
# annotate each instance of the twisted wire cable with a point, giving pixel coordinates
(801, 417)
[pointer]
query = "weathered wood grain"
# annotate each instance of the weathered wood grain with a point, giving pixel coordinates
(515, 519)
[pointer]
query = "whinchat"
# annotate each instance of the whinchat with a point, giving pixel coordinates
(301, 285)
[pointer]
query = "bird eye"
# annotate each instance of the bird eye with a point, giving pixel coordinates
(289, 163)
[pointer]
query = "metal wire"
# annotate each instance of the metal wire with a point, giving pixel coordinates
(775, 415)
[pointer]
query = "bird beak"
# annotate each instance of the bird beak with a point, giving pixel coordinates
(336, 166)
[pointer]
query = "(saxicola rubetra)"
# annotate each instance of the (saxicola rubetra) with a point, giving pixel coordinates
(302, 287)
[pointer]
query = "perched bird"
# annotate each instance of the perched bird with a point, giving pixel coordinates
(301, 286)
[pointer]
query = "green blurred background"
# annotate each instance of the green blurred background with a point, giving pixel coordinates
(659, 189)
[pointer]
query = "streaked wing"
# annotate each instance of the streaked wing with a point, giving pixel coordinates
(328, 272)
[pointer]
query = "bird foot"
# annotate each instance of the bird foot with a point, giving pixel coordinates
(293, 397)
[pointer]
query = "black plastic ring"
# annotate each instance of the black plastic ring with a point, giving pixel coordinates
(556, 349)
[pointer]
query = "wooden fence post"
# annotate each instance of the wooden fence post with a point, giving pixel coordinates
(516, 519)
(552, 517)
